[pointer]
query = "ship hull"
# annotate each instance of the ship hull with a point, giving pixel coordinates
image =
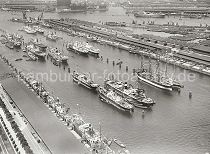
(78, 52)
(157, 85)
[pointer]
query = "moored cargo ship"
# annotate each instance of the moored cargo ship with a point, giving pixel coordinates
(111, 97)
(137, 97)
(84, 80)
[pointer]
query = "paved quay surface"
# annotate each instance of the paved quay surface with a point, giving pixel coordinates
(53, 132)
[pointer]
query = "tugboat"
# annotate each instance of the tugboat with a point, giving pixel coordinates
(84, 80)
(77, 47)
(111, 97)
(136, 97)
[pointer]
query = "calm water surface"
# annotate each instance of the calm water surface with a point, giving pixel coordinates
(175, 125)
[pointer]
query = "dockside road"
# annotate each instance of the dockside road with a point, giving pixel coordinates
(51, 130)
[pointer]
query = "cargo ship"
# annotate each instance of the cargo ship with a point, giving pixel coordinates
(84, 80)
(111, 97)
(137, 97)
(77, 47)
(57, 55)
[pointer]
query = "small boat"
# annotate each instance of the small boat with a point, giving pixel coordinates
(118, 142)
(84, 80)
(137, 97)
(19, 59)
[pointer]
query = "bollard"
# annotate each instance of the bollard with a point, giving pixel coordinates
(134, 71)
(126, 68)
(142, 114)
(190, 94)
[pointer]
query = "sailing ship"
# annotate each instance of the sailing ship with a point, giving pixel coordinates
(84, 80)
(137, 97)
(111, 97)
(157, 79)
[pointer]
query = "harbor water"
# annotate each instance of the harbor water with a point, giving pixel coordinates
(176, 124)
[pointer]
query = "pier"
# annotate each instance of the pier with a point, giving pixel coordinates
(54, 133)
